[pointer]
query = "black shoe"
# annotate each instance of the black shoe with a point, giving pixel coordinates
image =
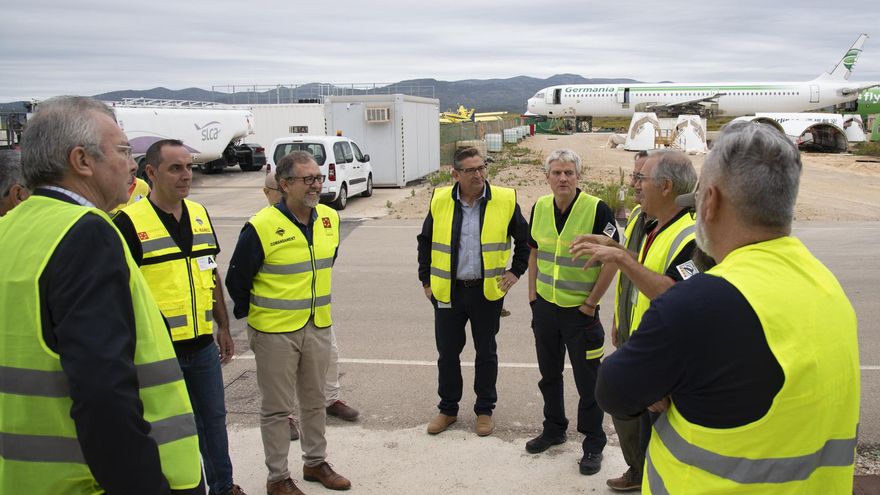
(542, 442)
(591, 463)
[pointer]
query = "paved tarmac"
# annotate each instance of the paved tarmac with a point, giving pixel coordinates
(384, 327)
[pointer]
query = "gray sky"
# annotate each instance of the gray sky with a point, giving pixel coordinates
(93, 46)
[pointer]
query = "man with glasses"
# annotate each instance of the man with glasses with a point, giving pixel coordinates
(92, 399)
(663, 256)
(335, 406)
(279, 278)
(172, 240)
(463, 251)
(565, 305)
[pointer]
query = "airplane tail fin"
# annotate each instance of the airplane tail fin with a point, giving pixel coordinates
(843, 69)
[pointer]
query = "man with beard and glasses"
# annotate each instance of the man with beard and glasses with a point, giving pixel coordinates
(279, 278)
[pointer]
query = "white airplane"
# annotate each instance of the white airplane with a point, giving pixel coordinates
(585, 101)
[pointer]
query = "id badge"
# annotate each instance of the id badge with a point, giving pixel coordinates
(206, 263)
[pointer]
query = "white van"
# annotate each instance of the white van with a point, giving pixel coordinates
(347, 169)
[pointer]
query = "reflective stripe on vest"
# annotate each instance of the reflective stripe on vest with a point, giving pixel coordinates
(494, 241)
(666, 246)
(173, 277)
(39, 452)
(806, 442)
(293, 284)
(626, 291)
(562, 280)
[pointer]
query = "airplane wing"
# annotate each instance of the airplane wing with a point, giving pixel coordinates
(858, 89)
(682, 106)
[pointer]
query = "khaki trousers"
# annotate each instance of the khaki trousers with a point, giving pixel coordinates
(331, 388)
(287, 362)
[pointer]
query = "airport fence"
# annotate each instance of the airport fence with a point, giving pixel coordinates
(463, 131)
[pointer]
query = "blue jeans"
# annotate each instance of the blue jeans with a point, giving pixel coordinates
(204, 381)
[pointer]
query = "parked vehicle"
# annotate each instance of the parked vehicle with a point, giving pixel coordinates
(212, 133)
(348, 170)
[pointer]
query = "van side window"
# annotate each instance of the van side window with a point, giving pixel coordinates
(357, 153)
(346, 149)
(339, 153)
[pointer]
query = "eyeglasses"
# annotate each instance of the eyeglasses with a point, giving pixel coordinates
(641, 177)
(125, 150)
(309, 179)
(472, 170)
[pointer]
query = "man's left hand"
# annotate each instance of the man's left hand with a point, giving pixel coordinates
(660, 406)
(226, 345)
(507, 281)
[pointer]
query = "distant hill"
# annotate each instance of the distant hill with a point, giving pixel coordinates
(483, 94)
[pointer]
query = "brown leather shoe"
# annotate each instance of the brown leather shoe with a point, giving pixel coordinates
(342, 411)
(440, 423)
(236, 490)
(485, 425)
(294, 428)
(327, 476)
(626, 483)
(283, 487)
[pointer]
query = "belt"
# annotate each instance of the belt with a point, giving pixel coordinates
(477, 282)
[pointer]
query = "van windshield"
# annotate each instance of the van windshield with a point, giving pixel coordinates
(316, 149)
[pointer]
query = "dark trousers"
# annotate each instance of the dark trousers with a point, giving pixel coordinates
(557, 329)
(204, 382)
(634, 435)
(468, 304)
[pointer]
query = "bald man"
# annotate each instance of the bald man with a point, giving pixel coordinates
(335, 406)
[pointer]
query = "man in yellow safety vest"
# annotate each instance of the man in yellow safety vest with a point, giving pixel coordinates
(756, 360)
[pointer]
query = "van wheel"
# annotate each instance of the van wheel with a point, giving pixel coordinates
(369, 191)
(342, 199)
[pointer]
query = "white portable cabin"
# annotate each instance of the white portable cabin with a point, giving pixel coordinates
(272, 121)
(401, 133)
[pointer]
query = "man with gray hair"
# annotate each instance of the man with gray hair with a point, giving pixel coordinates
(758, 356)
(12, 190)
(92, 396)
(279, 278)
(565, 304)
(664, 256)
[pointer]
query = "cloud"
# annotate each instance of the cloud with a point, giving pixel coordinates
(54, 47)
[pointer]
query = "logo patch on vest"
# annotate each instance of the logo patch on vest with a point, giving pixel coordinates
(326, 221)
(609, 230)
(280, 231)
(199, 221)
(687, 269)
(143, 236)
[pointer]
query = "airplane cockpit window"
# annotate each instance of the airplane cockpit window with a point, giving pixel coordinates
(539, 95)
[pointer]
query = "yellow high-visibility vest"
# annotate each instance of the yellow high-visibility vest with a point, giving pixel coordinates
(806, 442)
(182, 285)
(562, 280)
(632, 242)
(293, 284)
(39, 450)
(494, 241)
(663, 250)
(139, 190)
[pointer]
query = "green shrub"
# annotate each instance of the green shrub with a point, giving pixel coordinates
(609, 192)
(866, 149)
(440, 178)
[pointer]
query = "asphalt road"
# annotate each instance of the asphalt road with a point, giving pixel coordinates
(384, 328)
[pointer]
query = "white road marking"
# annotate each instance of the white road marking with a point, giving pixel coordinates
(405, 362)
